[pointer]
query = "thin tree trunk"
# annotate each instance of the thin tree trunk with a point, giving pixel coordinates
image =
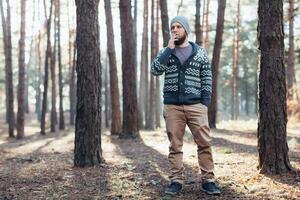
(53, 118)
(157, 81)
(179, 7)
(150, 118)
(291, 80)
(272, 143)
(72, 63)
(6, 25)
(38, 78)
(116, 125)
(247, 90)
(47, 60)
(88, 150)
(4, 29)
(135, 34)
(27, 77)
(73, 96)
(60, 75)
(164, 22)
(21, 89)
(203, 21)
(130, 110)
(235, 68)
(206, 36)
(212, 113)
(198, 28)
(144, 68)
(106, 86)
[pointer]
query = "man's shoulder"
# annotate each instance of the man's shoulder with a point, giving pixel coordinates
(198, 48)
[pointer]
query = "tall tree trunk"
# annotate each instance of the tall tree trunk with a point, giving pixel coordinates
(198, 28)
(116, 126)
(164, 22)
(130, 110)
(212, 113)
(106, 86)
(21, 85)
(60, 75)
(272, 143)
(38, 78)
(203, 21)
(144, 69)
(157, 80)
(150, 118)
(88, 150)
(235, 66)
(47, 61)
(135, 34)
(4, 29)
(247, 92)
(206, 36)
(37, 69)
(53, 118)
(6, 25)
(72, 63)
(73, 96)
(291, 52)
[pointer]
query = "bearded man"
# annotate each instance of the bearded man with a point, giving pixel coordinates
(187, 95)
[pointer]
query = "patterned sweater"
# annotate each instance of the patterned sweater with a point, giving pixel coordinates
(187, 83)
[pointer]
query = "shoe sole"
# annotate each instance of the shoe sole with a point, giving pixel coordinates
(210, 193)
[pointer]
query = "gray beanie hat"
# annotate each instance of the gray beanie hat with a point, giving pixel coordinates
(183, 21)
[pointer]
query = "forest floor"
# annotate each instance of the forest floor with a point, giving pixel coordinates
(41, 167)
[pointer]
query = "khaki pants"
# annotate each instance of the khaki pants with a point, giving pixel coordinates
(195, 116)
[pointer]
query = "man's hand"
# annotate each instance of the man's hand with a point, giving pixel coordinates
(171, 44)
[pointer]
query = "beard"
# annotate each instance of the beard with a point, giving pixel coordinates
(181, 40)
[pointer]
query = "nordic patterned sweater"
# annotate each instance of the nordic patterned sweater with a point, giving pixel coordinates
(187, 83)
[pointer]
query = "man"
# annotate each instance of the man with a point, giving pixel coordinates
(187, 95)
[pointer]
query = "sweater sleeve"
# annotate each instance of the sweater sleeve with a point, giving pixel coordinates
(160, 62)
(206, 80)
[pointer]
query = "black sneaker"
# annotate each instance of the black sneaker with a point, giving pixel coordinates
(174, 188)
(210, 188)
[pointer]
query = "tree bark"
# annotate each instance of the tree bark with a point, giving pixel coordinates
(88, 150)
(272, 144)
(135, 34)
(21, 85)
(116, 126)
(38, 78)
(106, 87)
(6, 25)
(144, 69)
(53, 115)
(206, 36)
(247, 90)
(198, 28)
(60, 75)
(212, 113)
(130, 110)
(165, 22)
(151, 114)
(235, 66)
(157, 78)
(73, 95)
(47, 60)
(291, 79)
(72, 63)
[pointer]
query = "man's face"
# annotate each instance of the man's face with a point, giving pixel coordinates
(178, 32)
